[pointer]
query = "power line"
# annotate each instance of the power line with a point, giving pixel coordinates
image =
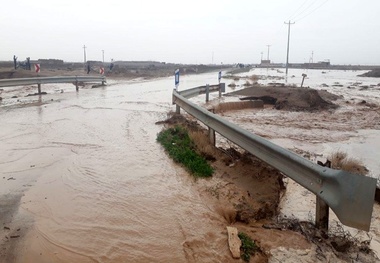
(305, 9)
(312, 11)
(295, 12)
(84, 54)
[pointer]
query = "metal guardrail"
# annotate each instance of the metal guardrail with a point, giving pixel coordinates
(350, 196)
(189, 93)
(46, 80)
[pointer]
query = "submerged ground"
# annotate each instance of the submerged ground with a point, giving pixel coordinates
(84, 179)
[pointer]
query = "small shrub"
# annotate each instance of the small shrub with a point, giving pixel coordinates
(248, 246)
(254, 78)
(232, 85)
(247, 83)
(181, 149)
(340, 160)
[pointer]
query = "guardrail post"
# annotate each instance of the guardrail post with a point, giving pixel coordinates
(222, 88)
(322, 215)
(207, 92)
(76, 83)
(39, 88)
(177, 109)
(322, 209)
(211, 132)
(211, 136)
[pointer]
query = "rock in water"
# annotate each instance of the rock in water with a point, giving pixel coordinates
(234, 241)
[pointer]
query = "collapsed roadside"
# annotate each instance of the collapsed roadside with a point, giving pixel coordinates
(247, 192)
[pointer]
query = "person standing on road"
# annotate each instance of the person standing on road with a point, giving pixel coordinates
(28, 63)
(15, 61)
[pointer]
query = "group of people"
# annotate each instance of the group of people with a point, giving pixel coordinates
(25, 64)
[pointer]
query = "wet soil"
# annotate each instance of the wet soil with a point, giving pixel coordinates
(251, 187)
(243, 189)
(246, 192)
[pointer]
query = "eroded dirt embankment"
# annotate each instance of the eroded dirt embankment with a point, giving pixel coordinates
(375, 73)
(243, 189)
(246, 192)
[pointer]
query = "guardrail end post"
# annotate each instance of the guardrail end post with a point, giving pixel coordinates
(39, 88)
(222, 88)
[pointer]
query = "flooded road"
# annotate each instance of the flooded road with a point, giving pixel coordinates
(83, 179)
(93, 184)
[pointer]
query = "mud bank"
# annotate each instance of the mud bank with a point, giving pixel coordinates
(247, 192)
(375, 73)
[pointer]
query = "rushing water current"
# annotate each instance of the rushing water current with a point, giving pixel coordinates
(88, 182)
(93, 184)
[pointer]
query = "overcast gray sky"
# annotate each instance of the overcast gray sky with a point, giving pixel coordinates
(219, 31)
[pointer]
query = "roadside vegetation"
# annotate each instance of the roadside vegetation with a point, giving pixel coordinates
(248, 246)
(182, 149)
(340, 160)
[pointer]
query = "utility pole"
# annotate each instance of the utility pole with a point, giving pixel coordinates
(312, 56)
(103, 55)
(84, 53)
(287, 52)
(261, 56)
(268, 52)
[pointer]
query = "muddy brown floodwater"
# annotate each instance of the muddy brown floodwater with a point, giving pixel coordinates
(93, 185)
(83, 179)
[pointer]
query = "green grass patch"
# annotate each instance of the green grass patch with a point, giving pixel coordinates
(248, 246)
(181, 149)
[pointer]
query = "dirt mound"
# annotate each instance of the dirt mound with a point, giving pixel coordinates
(290, 98)
(375, 73)
(303, 99)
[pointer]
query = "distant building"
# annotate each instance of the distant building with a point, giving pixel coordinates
(55, 62)
(318, 65)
